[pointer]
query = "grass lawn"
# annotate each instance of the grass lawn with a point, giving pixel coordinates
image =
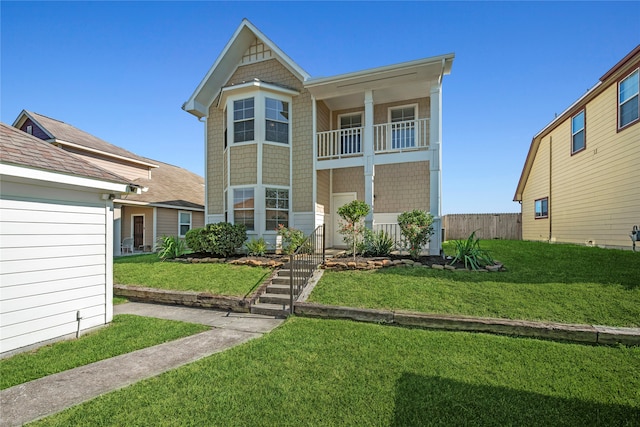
(218, 279)
(125, 334)
(559, 283)
(332, 372)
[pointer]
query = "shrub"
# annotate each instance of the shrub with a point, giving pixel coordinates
(224, 239)
(352, 213)
(376, 243)
(170, 247)
(291, 238)
(469, 252)
(256, 247)
(417, 227)
(195, 239)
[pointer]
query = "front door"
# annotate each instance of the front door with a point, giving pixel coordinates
(338, 200)
(138, 231)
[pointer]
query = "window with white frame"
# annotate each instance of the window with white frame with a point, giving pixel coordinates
(542, 208)
(244, 207)
(628, 103)
(184, 223)
(276, 208)
(578, 137)
(276, 120)
(403, 127)
(350, 133)
(225, 203)
(243, 120)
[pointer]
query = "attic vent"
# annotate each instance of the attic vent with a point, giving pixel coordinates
(30, 130)
(256, 52)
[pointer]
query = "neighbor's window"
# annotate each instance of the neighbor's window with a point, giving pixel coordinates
(577, 133)
(628, 100)
(403, 127)
(277, 207)
(243, 207)
(542, 208)
(184, 223)
(243, 123)
(277, 120)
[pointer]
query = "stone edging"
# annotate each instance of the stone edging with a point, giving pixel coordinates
(375, 264)
(586, 334)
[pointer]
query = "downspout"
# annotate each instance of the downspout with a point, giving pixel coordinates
(549, 200)
(206, 196)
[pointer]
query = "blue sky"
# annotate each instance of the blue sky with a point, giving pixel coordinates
(121, 70)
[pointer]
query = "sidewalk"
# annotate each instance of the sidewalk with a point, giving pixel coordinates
(49, 395)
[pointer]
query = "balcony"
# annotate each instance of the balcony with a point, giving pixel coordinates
(388, 138)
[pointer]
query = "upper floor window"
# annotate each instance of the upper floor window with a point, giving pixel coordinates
(243, 123)
(184, 223)
(628, 100)
(277, 120)
(351, 130)
(403, 127)
(276, 208)
(577, 133)
(542, 208)
(243, 207)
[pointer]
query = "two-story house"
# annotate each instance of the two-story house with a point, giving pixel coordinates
(285, 148)
(581, 179)
(173, 198)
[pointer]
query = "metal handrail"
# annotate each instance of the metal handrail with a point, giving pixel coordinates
(304, 261)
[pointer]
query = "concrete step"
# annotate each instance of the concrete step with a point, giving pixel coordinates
(276, 310)
(280, 299)
(283, 281)
(284, 272)
(277, 288)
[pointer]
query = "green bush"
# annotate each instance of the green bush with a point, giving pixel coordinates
(469, 252)
(195, 239)
(417, 227)
(170, 247)
(256, 247)
(376, 243)
(291, 238)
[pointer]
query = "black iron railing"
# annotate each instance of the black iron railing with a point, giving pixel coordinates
(304, 261)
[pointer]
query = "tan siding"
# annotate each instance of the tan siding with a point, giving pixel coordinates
(302, 132)
(537, 188)
(349, 180)
(122, 168)
(244, 166)
(324, 192)
(215, 160)
(275, 164)
(323, 115)
(127, 221)
(167, 222)
(401, 187)
(271, 71)
(197, 219)
(381, 112)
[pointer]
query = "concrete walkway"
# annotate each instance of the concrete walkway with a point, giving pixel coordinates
(49, 395)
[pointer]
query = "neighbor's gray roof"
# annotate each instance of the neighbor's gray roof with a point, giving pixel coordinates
(19, 148)
(171, 185)
(62, 131)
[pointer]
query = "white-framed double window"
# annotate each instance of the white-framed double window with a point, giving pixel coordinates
(628, 100)
(244, 207)
(243, 120)
(257, 116)
(276, 202)
(578, 136)
(184, 222)
(403, 126)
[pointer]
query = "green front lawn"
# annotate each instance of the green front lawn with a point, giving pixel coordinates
(559, 283)
(323, 372)
(218, 279)
(125, 334)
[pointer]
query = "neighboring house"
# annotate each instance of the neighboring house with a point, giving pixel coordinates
(283, 148)
(173, 198)
(581, 179)
(56, 238)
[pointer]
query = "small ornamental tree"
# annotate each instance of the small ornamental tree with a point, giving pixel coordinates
(353, 213)
(417, 227)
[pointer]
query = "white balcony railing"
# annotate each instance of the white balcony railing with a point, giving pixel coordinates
(387, 138)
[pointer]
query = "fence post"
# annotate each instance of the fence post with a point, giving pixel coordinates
(291, 279)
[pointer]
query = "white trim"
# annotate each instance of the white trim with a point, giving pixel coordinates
(206, 172)
(400, 107)
(109, 226)
(619, 105)
(314, 147)
(155, 228)
(126, 202)
(60, 178)
(353, 113)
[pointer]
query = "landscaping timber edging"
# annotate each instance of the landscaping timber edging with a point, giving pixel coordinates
(586, 334)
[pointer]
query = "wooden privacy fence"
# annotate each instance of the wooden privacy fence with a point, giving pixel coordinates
(506, 226)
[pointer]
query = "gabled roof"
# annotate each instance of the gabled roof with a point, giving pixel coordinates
(170, 186)
(609, 78)
(227, 63)
(21, 149)
(65, 134)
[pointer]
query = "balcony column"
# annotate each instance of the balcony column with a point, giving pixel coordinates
(368, 152)
(435, 178)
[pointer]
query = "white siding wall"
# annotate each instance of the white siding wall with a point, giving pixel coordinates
(53, 263)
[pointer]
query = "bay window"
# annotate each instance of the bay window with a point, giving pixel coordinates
(244, 207)
(276, 120)
(276, 208)
(243, 120)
